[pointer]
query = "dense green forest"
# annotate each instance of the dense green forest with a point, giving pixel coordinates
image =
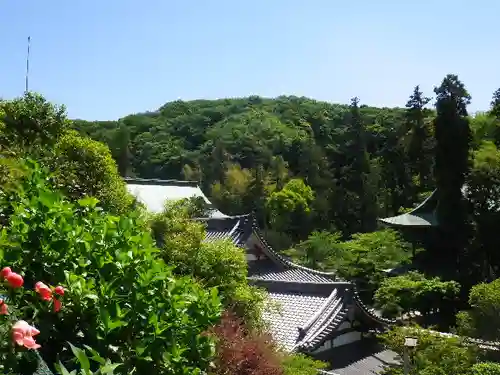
(301, 165)
(244, 150)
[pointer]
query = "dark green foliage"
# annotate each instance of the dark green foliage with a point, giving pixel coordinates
(218, 264)
(364, 259)
(30, 122)
(434, 354)
(495, 104)
(83, 167)
(419, 138)
(485, 368)
(414, 292)
(272, 141)
(482, 320)
(453, 137)
(483, 195)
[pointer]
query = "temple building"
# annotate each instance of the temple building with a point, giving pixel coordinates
(316, 313)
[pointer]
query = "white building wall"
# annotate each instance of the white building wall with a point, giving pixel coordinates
(344, 339)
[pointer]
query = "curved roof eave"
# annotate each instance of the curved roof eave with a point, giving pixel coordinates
(421, 216)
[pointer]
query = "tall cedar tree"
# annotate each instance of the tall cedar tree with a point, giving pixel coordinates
(418, 135)
(359, 166)
(453, 137)
(495, 104)
(495, 112)
(121, 150)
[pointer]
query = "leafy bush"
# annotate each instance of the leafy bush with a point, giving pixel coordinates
(217, 264)
(300, 364)
(30, 122)
(482, 320)
(485, 368)
(367, 257)
(434, 354)
(290, 205)
(83, 167)
(31, 126)
(85, 359)
(122, 299)
(401, 294)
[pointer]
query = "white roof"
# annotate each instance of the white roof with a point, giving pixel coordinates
(155, 195)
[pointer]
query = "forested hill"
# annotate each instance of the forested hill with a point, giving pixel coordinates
(301, 164)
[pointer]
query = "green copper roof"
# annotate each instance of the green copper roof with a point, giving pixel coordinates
(424, 215)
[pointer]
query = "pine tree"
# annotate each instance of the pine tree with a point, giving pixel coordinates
(495, 104)
(418, 135)
(453, 137)
(122, 150)
(357, 168)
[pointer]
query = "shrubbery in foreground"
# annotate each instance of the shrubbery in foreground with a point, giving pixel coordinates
(122, 300)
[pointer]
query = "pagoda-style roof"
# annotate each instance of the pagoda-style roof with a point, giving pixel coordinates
(154, 193)
(424, 215)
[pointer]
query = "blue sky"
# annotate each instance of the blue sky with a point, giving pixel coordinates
(105, 59)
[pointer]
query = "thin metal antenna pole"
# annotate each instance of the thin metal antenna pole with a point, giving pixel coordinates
(27, 65)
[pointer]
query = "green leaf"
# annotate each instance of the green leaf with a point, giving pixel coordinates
(82, 358)
(108, 368)
(62, 370)
(95, 355)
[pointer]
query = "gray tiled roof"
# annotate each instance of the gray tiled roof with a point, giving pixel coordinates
(303, 321)
(290, 274)
(307, 313)
(235, 228)
(294, 310)
(365, 357)
(329, 317)
(372, 364)
(283, 261)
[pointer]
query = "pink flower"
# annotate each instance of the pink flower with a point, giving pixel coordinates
(44, 291)
(57, 305)
(22, 335)
(4, 308)
(5, 272)
(15, 280)
(59, 290)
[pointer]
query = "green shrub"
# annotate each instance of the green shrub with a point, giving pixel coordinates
(32, 127)
(31, 122)
(218, 264)
(122, 299)
(485, 368)
(83, 167)
(300, 364)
